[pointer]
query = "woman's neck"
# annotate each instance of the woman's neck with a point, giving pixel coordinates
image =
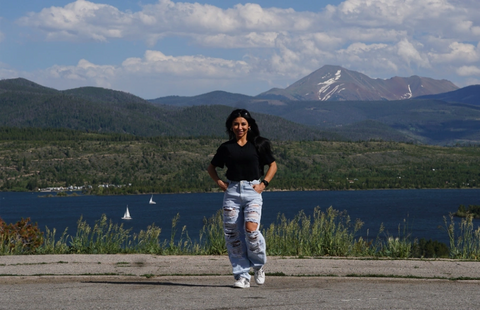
(242, 141)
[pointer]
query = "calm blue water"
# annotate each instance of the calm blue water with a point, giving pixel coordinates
(422, 209)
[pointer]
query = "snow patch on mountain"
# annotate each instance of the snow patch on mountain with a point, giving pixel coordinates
(407, 95)
(324, 93)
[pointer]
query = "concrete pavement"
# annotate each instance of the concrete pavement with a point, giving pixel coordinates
(142, 265)
(140, 281)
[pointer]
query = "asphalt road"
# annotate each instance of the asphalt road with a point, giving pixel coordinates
(205, 282)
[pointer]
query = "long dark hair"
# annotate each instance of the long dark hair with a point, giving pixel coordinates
(261, 144)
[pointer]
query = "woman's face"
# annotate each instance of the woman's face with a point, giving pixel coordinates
(240, 127)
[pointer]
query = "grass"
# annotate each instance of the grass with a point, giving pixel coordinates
(464, 238)
(323, 234)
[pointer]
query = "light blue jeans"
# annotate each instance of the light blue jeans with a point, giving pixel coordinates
(246, 249)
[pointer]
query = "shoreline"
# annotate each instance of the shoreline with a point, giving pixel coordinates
(266, 191)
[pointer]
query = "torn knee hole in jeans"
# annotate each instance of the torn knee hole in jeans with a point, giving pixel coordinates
(252, 221)
(253, 216)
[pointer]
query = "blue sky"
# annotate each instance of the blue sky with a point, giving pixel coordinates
(156, 48)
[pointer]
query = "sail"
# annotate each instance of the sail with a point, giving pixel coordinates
(151, 201)
(126, 216)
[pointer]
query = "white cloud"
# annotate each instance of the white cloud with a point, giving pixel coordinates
(85, 72)
(172, 75)
(87, 20)
(469, 71)
(380, 13)
(362, 48)
(80, 20)
(410, 54)
(458, 53)
(250, 25)
(377, 37)
(368, 58)
(249, 40)
(195, 17)
(358, 34)
(155, 62)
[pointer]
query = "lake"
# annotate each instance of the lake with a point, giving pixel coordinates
(423, 210)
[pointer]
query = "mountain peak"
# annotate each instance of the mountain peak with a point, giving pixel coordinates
(335, 83)
(24, 85)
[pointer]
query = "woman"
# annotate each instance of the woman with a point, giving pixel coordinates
(245, 155)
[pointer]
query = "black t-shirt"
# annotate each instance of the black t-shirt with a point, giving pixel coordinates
(243, 162)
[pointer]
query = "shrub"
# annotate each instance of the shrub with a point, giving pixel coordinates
(431, 249)
(20, 238)
(472, 209)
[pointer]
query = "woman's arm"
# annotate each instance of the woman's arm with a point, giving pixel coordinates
(214, 175)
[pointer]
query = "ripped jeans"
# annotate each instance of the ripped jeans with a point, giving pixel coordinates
(242, 204)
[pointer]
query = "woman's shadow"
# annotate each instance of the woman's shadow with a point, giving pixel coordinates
(156, 283)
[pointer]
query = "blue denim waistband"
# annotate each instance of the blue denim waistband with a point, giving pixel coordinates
(244, 181)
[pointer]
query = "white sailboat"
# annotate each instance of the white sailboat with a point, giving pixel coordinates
(126, 216)
(151, 201)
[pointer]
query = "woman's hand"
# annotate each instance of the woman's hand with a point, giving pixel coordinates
(272, 169)
(223, 185)
(213, 174)
(259, 188)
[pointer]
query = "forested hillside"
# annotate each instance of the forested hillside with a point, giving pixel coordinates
(25, 104)
(31, 159)
(422, 121)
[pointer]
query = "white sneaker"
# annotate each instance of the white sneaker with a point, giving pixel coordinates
(260, 276)
(242, 283)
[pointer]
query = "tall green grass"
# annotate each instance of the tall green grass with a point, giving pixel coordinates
(211, 236)
(464, 239)
(400, 246)
(105, 237)
(324, 233)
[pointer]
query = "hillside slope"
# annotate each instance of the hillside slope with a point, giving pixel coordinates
(424, 121)
(215, 97)
(26, 104)
(40, 158)
(468, 95)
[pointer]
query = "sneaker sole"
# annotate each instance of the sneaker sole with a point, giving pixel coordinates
(241, 286)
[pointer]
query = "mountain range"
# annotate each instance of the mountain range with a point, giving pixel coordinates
(330, 103)
(329, 83)
(334, 83)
